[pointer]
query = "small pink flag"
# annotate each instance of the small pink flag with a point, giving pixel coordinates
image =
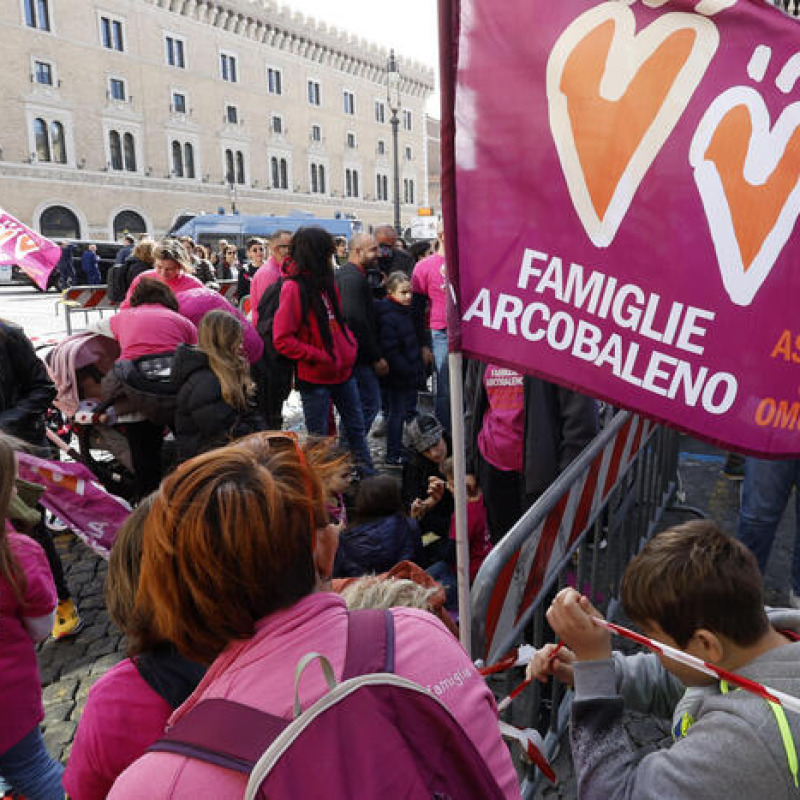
(35, 255)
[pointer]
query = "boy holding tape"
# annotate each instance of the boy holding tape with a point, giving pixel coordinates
(696, 589)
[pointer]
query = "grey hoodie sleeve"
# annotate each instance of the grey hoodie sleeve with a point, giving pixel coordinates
(722, 757)
(645, 686)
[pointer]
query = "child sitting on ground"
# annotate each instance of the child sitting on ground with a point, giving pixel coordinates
(694, 588)
(335, 469)
(382, 535)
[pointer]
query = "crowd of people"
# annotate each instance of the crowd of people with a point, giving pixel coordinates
(250, 546)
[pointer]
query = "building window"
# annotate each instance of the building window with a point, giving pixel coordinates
(37, 14)
(316, 133)
(408, 154)
(58, 222)
(280, 173)
(122, 151)
(227, 65)
(380, 111)
(177, 160)
(277, 124)
(43, 73)
(408, 191)
(183, 160)
(381, 147)
(274, 81)
(349, 103)
(314, 93)
(351, 183)
(406, 120)
(234, 166)
(49, 141)
(381, 187)
(175, 52)
(317, 179)
(351, 141)
(116, 89)
(128, 222)
(115, 150)
(112, 34)
(129, 151)
(188, 160)
(178, 103)
(232, 115)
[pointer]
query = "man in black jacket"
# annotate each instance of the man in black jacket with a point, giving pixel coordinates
(26, 392)
(358, 308)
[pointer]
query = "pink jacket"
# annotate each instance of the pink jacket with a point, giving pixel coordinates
(180, 283)
(260, 672)
(267, 274)
(122, 718)
(195, 303)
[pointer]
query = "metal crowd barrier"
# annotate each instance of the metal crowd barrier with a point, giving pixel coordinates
(582, 532)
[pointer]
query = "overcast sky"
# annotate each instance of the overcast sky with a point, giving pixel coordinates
(409, 26)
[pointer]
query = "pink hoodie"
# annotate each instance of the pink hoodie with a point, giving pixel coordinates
(260, 672)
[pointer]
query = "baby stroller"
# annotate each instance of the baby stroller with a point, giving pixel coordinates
(85, 370)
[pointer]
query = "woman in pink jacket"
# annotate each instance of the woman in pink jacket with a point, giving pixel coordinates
(27, 606)
(228, 575)
(172, 266)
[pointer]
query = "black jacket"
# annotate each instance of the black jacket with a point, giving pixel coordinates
(134, 268)
(417, 472)
(203, 420)
(358, 307)
(376, 546)
(559, 423)
(399, 344)
(243, 279)
(26, 390)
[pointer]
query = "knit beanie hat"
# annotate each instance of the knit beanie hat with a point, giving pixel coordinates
(422, 433)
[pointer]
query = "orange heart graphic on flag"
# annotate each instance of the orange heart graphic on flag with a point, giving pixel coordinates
(615, 96)
(748, 175)
(24, 245)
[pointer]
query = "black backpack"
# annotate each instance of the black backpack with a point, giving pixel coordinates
(117, 283)
(267, 308)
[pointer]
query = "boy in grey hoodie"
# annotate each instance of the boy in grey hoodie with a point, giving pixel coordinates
(694, 588)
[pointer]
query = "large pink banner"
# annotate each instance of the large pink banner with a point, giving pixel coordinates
(625, 178)
(20, 245)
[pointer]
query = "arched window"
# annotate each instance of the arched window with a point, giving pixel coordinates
(348, 183)
(355, 183)
(314, 179)
(284, 174)
(275, 174)
(130, 152)
(128, 222)
(58, 222)
(115, 149)
(230, 172)
(188, 159)
(58, 143)
(41, 139)
(239, 167)
(321, 179)
(177, 160)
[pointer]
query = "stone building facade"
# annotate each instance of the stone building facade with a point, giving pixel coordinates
(125, 114)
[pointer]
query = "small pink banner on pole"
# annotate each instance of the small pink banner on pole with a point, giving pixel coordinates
(622, 188)
(35, 255)
(73, 494)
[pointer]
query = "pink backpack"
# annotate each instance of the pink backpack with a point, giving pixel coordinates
(374, 735)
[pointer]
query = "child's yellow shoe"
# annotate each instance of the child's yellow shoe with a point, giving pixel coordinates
(68, 621)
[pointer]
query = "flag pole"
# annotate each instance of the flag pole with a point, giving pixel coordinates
(456, 365)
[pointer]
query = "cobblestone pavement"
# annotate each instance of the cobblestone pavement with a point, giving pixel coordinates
(69, 668)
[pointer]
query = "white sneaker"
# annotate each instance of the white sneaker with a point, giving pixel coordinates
(794, 601)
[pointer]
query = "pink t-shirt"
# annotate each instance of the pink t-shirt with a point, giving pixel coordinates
(122, 718)
(502, 434)
(145, 330)
(180, 283)
(20, 685)
(477, 532)
(430, 278)
(268, 274)
(260, 672)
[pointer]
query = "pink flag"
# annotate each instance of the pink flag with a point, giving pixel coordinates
(34, 254)
(622, 194)
(73, 494)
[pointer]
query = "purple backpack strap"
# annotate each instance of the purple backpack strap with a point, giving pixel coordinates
(232, 735)
(370, 643)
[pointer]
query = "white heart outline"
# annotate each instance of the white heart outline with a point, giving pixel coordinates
(767, 147)
(615, 82)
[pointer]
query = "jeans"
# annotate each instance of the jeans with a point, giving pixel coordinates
(439, 341)
(369, 390)
(316, 399)
(765, 494)
(27, 768)
(402, 407)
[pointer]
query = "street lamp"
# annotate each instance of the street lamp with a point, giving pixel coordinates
(393, 98)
